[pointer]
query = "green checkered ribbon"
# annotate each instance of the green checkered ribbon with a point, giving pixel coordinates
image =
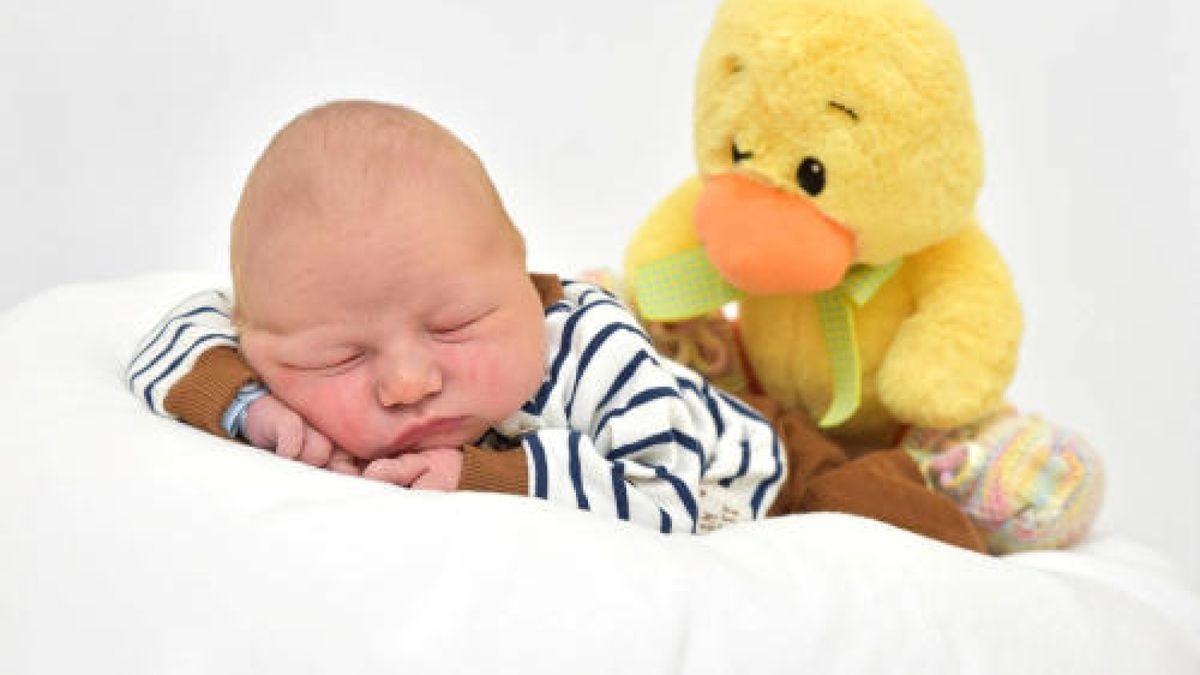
(681, 286)
(687, 285)
(836, 310)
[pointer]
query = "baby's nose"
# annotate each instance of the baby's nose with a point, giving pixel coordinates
(408, 383)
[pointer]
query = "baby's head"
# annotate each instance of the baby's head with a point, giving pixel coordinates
(381, 289)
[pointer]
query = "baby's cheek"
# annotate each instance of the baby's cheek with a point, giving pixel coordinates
(332, 406)
(474, 367)
(500, 379)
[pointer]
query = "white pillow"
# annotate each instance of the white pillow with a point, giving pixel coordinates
(130, 544)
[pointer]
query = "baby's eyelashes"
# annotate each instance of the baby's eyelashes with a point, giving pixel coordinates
(452, 334)
(453, 330)
(331, 366)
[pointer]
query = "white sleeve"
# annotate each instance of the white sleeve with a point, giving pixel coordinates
(641, 432)
(170, 349)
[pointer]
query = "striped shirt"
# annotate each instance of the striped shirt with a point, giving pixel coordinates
(615, 428)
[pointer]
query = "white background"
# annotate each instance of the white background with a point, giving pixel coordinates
(126, 128)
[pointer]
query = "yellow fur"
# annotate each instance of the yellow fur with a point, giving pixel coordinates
(939, 342)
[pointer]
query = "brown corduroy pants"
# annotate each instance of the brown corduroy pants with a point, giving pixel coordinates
(884, 485)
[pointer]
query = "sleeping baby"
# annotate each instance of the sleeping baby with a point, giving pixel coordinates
(383, 324)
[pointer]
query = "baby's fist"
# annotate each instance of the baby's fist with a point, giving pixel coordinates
(435, 469)
(272, 425)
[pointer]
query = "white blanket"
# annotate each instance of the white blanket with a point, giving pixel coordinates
(133, 545)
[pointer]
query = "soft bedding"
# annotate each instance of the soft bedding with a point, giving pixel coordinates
(134, 545)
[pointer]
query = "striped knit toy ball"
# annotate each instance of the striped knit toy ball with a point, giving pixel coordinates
(1025, 483)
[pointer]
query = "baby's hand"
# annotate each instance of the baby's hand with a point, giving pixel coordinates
(435, 469)
(272, 425)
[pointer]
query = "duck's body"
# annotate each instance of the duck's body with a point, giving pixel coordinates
(784, 344)
(935, 351)
(835, 140)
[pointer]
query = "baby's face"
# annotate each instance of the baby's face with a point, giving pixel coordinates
(397, 333)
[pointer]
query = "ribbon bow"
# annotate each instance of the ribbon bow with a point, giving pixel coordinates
(686, 285)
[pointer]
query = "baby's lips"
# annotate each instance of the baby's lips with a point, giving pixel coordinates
(766, 241)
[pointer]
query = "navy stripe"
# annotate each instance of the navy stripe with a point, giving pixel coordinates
(741, 407)
(590, 291)
(742, 468)
(589, 353)
(620, 496)
(664, 522)
(623, 377)
(714, 410)
(611, 301)
(670, 436)
(574, 466)
(760, 492)
(538, 453)
(194, 312)
(685, 383)
(705, 395)
(166, 351)
(539, 400)
(691, 386)
(609, 294)
(149, 393)
(681, 489)
(642, 397)
(590, 288)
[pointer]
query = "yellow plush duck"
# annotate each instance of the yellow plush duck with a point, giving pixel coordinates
(839, 165)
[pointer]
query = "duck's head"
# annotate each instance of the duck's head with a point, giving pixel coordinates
(830, 133)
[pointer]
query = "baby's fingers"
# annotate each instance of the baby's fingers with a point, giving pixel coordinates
(342, 462)
(317, 449)
(402, 470)
(289, 436)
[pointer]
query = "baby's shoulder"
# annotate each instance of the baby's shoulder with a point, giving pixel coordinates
(586, 310)
(586, 298)
(584, 293)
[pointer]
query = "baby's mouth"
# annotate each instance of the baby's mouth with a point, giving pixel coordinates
(411, 437)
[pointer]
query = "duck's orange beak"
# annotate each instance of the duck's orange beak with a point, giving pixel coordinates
(765, 241)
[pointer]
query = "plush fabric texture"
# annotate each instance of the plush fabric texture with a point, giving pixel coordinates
(1025, 482)
(874, 95)
(139, 546)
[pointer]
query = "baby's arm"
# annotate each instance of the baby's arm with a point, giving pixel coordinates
(188, 368)
(642, 430)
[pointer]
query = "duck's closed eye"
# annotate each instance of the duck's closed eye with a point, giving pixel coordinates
(838, 106)
(740, 155)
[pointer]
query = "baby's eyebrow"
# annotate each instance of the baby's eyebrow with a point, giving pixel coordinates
(838, 106)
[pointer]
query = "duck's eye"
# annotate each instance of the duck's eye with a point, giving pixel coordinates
(738, 155)
(811, 176)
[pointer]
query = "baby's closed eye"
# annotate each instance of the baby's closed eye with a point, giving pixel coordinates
(460, 328)
(331, 363)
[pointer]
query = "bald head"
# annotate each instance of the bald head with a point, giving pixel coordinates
(360, 170)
